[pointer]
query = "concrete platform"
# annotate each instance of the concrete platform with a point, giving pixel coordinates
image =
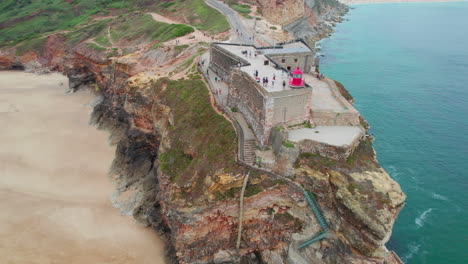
(339, 136)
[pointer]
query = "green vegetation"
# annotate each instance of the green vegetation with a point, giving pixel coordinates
(244, 10)
(33, 45)
(87, 32)
(273, 27)
(95, 47)
(143, 26)
(252, 190)
(27, 19)
(288, 144)
(103, 41)
(363, 158)
(234, 110)
(113, 53)
(167, 5)
(201, 16)
(343, 91)
(202, 141)
(179, 48)
(287, 218)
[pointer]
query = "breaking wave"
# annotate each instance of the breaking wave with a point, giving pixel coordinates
(420, 220)
(439, 197)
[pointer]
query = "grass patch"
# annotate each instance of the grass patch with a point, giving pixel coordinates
(103, 41)
(95, 47)
(87, 32)
(143, 26)
(35, 45)
(273, 27)
(202, 141)
(244, 10)
(252, 190)
(343, 91)
(202, 16)
(179, 48)
(288, 144)
(22, 20)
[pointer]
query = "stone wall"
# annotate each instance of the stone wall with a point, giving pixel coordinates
(250, 99)
(291, 107)
(222, 61)
(305, 60)
(332, 118)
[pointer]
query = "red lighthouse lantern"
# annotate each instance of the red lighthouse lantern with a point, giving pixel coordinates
(296, 80)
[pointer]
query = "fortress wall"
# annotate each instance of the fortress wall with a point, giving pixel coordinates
(249, 99)
(305, 60)
(291, 107)
(222, 61)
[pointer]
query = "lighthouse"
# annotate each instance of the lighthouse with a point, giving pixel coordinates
(296, 81)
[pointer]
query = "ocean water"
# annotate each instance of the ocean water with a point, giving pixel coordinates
(407, 67)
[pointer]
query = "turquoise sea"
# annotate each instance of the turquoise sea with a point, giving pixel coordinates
(407, 67)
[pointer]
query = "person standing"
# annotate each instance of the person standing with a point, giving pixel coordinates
(284, 84)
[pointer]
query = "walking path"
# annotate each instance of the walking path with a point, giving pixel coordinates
(322, 97)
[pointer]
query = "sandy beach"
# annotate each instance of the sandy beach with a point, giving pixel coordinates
(54, 188)
(355, 2)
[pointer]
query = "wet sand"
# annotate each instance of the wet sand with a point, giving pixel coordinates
(54, 188)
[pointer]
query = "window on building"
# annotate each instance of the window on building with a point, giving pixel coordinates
(289, 68)
(295, 60)
(283, 60)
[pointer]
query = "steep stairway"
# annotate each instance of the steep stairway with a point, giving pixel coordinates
(249, 151)
(316, 208)
(320, 218)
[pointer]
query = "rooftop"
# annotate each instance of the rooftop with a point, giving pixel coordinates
(295, 47)
(257, 63)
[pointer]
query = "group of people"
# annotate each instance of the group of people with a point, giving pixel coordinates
(266, 80)
(320, 76)
(248, 53)
(239, 34)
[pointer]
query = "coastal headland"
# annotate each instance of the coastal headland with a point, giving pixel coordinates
(178, 165)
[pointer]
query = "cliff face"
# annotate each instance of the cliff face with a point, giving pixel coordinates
(175, 168)
(309, 19)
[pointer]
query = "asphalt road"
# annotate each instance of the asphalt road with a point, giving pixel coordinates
(241, 31)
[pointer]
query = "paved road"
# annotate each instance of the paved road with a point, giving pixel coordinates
(236, 23)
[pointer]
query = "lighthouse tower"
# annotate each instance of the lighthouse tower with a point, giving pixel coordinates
(296, 81)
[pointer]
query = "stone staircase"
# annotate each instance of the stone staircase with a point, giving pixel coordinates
(249, 151)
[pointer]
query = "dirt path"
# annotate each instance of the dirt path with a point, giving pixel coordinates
(54, 188)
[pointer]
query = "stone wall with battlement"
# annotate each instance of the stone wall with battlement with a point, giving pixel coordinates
(222, 61)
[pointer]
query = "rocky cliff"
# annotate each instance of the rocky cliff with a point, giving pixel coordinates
(309, 19)
(176, 170)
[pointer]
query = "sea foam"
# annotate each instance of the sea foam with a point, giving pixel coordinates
(420, 220)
